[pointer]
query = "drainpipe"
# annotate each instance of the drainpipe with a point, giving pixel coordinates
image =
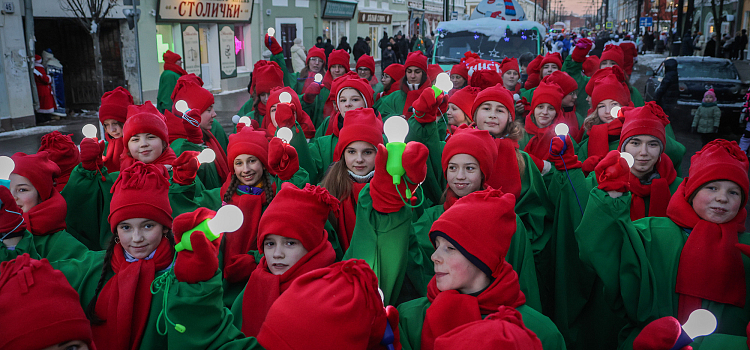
(30, 48)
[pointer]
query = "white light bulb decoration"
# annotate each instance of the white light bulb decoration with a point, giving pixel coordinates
(89, 131)
(246, 120)
(181, 106)
(318, 77)
(516, 97)
(615, 111)
(271, 31)
(396, 129)
(206, 156)
(561, 129)
(6, 167)
(236, 119)
(628, 158)
(285, 134)
(700, 323)
(285, 97)
(228, 219)
(443, 82)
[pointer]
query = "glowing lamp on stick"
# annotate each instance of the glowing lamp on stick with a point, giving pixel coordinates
(318, 78)
(285, 134)
(206, 156)
(246, 121)
(395, 129)
(615, 112)
(271, 31)
(181, 106)
(628, 158)
(700, 323)
(228, 219)
(6, 167)
(442, 84)
(285, 97)
(89, 131)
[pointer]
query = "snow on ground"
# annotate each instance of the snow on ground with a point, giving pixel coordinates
(230, 92)
(30, 131)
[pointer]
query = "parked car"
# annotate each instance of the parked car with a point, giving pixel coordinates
(696, 76)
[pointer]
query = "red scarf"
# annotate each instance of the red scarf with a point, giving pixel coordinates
(260, 111)
(115, 148)
(570, 119)
(506, 174)
(175, 68)
(264, 288)
(599, 137)
(47, 217)
(538, 146)
(166, 158)
(657, 192)
(333, 125)
(125, 301)
(348, 215)
(450, 309)
(221, 157)
(412, 96)
(710, 265)
(238, 264)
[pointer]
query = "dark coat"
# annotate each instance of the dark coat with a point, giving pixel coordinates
(710, 50)
(686, 48)
(360, 48)
(669, 87)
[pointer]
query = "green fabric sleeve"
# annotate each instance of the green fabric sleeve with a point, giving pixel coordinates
(392, 104)
(60, 245)
(290, 79)
(427, 134)
(88, 198)
(635, 97)
(221, 136)
(167, 82)
(207, 172)
(24, 246)
(575, 70)
(411, 317)
(83, 274)
(320, 131)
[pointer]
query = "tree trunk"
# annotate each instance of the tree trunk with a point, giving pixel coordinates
(717, 24)
(688, 24)
(98, 64)
(640, 14)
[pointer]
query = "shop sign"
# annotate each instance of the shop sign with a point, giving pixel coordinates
(205, 10)
(191, 54)
(415, 5)
(339, 9)
(226, 52)
(433, 8)
(377, 18)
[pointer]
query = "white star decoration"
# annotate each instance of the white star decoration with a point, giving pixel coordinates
(494, 53)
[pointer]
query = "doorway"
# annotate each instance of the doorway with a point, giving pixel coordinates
(288, 34)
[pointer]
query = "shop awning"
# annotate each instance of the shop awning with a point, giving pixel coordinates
(339, 9)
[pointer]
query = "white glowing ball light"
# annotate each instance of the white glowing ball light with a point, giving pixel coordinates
(285, 134)
(700, 323)
(207, 156)
(271, 31)
(6, 167)
(628, 158)
(236, 119)
(396, 129)
(89, 131)
(443, 82)
(561, 129)
(615, 111)
(516, 97)
(181, 106)
(246, 121)
(318, 77)
(285, 97)
(228, 219)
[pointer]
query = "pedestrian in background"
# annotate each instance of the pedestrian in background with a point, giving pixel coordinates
(707, 118)
(298, 55)
(698, 42)
(360, 48)
(328, 48)
(344, 45)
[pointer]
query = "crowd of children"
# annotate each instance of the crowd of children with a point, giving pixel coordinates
(380, 214)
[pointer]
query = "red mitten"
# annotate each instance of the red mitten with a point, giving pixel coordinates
(385, 198)
(392, 314)
(613, 173)
(284, 116)
(272, 45)
(311, 92)
(194, 133)
(426, 106)
(583, 46)
(200, 264)
(567, 159)
(441, 316)
(590, 164)
(91, 154)
(282, 159)
(185, 168)
(11, 216)
(661, 334)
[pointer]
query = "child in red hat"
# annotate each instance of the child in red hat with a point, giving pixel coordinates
(415, 80)
(511, 74)
(391, 80)
(459, 76)
(366, 71)
(112, 114)
(168, 80)
(317, 95)
(707, 118)
(472, 278)
(459, 106)
(44, 209)
(546, 113)
(571, 117)
(63, 152)
(550, 63)
(266, 76)
(314, 64)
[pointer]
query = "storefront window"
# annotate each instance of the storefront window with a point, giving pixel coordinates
(374, 42)
(164, 42)
(334, 30)
(239, 44)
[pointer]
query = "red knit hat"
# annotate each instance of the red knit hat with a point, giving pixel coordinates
(501, 330)
(485, 79)
(661, 334)
(563, 80)
(532, 81)
(266, 76)
(368, 62)
(38, 307)
(190, 77)
(464, 98)
(115, 105)
(461, 69)
(300, 214)
(335, 307)
(339, 57)
(39, 169)
(614, 53)
(61, 150)
(396, 71)
(416, 59)
(548, 93)
(630, 52)
(535, 66)
(485, 239)
(171, 57)
(509, 63)
(601, 73)
(248, 141)
(610, 87)
(553, 57)
(590, 65)
(433, 70)
(718, 160)
(355, 82)
(141, 191)
(360, 124)
(496, 93)
(316, 52)
(145, 119)
(276, 94)
(195, 95)
(647, 120)
(474, 142)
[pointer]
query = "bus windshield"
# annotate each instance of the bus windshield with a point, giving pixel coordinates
(451, 46)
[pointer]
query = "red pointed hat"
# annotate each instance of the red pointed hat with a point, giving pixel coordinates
(610, 88)
(141, 191)
(509, 63)
(647, 120)
(501, 330)
(40, 171)
(368, 62)
(474, 142)
(461, 69)
(433, 70)
(339, 57)
(248, 141)
(416, 59)
(266, 76)
(535, 66)
(563, 80)
(61, 150)
(718, 160)
(552, 57)
(614, 53)
(661, 334)
(352, 80)
(496, 93)
(171, 57)
(464, 98)
(590, 65)
(145, 118)
(195, 95)
(396, 71)
(548, 93)
(115, 105)
(360, 124)
(316, 52)
(485, 79)
(601, 73)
